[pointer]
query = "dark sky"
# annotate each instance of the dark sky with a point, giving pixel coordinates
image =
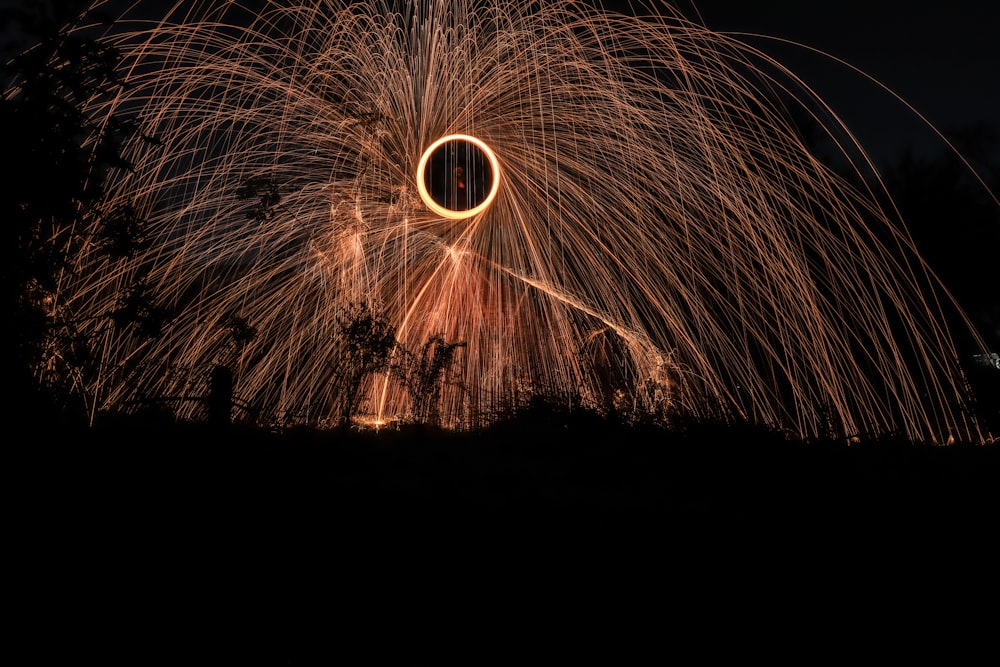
(941, 57)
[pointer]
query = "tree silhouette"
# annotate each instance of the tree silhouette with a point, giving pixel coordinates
(424, 374)
(55, 175)
(956, 225)
(136, 307)
(954, 222)
(264, 194)
(367, 341)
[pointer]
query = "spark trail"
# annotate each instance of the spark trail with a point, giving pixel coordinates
(662, 238)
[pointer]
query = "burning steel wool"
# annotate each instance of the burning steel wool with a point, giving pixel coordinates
(442, 210)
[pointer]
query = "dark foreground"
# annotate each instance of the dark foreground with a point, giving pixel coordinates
(143, 537)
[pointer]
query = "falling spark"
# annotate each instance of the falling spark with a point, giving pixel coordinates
(661, 237)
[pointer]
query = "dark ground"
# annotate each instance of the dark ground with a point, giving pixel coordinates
(238, 542)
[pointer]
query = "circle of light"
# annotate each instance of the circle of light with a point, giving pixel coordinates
(442, 210)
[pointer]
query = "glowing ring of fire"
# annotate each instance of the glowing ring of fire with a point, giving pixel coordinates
(447, 212)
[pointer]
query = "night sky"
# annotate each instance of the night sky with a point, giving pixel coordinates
(940, 57)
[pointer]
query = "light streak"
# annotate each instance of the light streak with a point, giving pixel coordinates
(661, 236)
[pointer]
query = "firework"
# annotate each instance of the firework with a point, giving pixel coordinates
(645, 230)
